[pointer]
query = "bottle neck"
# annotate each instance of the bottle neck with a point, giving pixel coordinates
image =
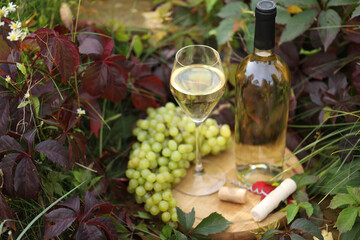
(264, 32)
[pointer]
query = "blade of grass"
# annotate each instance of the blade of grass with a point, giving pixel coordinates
(45, 210)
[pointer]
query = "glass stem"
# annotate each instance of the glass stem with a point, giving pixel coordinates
(198, 166)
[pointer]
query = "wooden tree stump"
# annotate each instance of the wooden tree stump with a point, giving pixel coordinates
(243, 226)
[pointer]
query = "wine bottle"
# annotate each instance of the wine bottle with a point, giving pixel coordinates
(262, 104)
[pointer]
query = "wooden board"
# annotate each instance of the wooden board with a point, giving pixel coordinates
(239, 214)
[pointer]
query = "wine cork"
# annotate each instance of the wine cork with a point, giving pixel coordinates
(232, 194)
(273, 199)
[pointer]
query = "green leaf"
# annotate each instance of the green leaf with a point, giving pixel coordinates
(166, 231)
(291, 211)
(305, 225)
(199, 238)
(341, 199)
(249, 36)
(282, 16)
(356, 12)
(138, 47)
(347, 218)
(233, 10)
(23, 104)
(354, 233)
(354, 192)
(212, 224)
(301, 196)
(300, 3)
(269, 234)
(308, 208)
(341, 2)
(186, 219)
(330, 20)
(210, 5)
(224, 31)
(304, 179)
(22, 68)
(143, 215)
(179, 236)
(36, 105)
(294, 236)
(297, 25)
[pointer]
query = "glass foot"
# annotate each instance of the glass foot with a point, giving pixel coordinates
(202, 184)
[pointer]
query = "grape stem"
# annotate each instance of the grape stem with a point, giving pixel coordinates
(198, 165)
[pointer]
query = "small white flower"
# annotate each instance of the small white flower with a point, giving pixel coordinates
(15, 25)
(14, 35)
(80, 111)
(1, 23)
(27, 94)
(4, 12)
(11, 7)
(8, 78)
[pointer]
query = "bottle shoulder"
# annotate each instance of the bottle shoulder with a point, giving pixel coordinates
(258, 67)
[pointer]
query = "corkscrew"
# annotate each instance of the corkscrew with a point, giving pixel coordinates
(248, 187)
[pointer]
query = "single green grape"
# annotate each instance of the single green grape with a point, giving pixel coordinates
(150, 201)
(163, 169)
(157, 198)
(156, 147)
(166, 152)
(225, 131)
(141, 181)
(172, 203)
(148, 186)
(190, 127)
(157, 187)
(145, 173)
(165, 217)
(167, 195)
(163, 206)
(163, 161)
(172, 165)
(144, 164)
(129, 173)
(172, 144)
(173, 131)
(151, 178)
(160, 127)
(175, 156)
(160, 178)
(154, 210)
(220, 140)
(140, 191)
(138, 199)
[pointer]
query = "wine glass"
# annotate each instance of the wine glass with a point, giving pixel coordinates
(197, 84)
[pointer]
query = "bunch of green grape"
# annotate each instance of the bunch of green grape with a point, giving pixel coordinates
(164, 149)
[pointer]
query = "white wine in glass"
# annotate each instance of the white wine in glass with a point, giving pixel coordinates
(197, 84)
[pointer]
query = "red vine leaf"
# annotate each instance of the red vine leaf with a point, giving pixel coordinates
(54, 151)
(8, 143)
(58, 221)
(57, 50)
(5, 212)
(86, 232)
(26, 179)
(6, 166)
(73, 203)
(106, 78)
(106, 224)
(4, 115)
(320, 65)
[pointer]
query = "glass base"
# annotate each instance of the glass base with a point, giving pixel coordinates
(252, 173)
(204, 183)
